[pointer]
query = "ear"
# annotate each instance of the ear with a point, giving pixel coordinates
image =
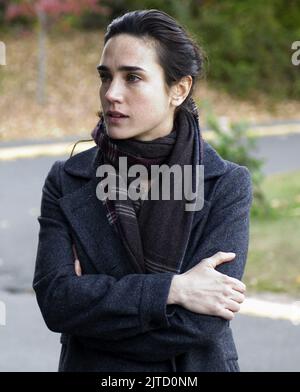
(181, 90)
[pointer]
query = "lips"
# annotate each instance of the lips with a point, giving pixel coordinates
(116, 120)
(115, 114)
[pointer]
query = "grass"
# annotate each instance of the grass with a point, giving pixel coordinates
(274, 250)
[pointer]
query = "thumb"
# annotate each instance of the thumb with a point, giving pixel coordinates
(219, 258)
(77, 268)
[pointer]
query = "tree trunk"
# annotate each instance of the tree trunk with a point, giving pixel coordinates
(42, 35)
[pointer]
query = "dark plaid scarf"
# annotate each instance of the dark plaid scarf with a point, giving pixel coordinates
(155, 233)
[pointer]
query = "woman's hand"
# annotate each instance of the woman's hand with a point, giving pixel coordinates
(76, 262)
(204, 290)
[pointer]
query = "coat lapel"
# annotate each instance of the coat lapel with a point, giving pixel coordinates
(214, 167)
(87, 215)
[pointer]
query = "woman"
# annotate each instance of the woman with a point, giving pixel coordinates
(144, 285)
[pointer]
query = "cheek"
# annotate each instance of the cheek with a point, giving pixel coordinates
(101, 95)
(151, 100)
(148, 109)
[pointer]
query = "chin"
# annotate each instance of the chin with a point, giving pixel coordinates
(117, 134)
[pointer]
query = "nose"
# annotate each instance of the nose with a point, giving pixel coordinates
(114, 92)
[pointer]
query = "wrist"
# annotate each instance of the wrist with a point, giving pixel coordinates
(175, 293)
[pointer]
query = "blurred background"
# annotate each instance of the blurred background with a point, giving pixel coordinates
(249, 105)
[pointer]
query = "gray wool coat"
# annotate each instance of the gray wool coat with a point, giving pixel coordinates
(111, 318)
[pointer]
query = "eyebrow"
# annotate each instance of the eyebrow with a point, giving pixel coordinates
(121, 68)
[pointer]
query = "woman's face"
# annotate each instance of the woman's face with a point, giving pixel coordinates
(139, 94)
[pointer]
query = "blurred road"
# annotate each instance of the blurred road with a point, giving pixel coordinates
(281, 153)
(20, 194)
(25, 342)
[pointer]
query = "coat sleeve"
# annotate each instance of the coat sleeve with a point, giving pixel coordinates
(93, 305)
(227, 229)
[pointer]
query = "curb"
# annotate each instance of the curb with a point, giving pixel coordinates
(39, 150)
(257, 307)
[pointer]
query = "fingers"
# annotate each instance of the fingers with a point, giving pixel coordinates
(233, 301)
(237, 296)
(226, 314)
(235, 284)
(238, 285)
(77, 268)
(222, 257)
(77, 262)
(232, 305)
(228, 306)
(219, 258)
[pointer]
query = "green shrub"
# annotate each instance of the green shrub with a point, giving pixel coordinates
(233, 144)
(249, 46)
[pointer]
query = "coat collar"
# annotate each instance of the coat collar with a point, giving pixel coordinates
(84, 164)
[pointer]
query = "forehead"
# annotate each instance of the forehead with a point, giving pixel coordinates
(129, 50)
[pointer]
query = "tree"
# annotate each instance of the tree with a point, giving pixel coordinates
(45, 13)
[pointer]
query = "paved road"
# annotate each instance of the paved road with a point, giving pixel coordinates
(20, 194)
(264, 344)
(281, 153)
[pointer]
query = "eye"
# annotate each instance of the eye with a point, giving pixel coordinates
(130, 76)
(103, 77)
